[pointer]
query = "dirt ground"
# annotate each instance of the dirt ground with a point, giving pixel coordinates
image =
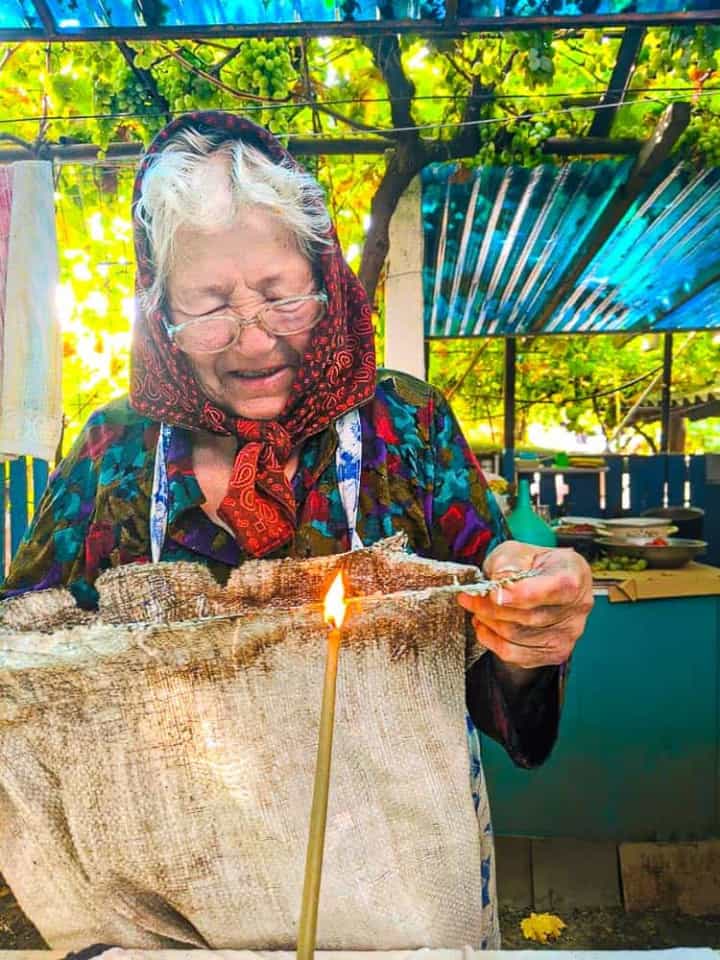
(586, 930)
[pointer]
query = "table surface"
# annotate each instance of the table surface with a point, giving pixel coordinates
(678, 953)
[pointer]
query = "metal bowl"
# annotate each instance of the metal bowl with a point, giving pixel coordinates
(677, 553)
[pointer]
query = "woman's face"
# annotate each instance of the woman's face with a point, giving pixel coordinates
(241, 267)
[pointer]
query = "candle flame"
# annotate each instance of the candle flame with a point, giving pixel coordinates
(335, 605)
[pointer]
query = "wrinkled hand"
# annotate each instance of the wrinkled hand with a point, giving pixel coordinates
(535, 622)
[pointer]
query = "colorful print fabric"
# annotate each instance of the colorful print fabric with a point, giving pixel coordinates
(338, 373)
(418, 476)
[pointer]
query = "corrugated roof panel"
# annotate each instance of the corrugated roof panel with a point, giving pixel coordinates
(702, 312)
(72, 15)
(500, 241)
(661, 252)
(81, 18)
(573, 8)
(17, 15)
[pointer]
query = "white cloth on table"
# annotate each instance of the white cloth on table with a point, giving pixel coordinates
(30, 341)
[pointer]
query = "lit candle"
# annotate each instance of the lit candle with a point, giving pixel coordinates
(335, 607)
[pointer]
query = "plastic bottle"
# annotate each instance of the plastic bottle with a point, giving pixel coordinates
(525, 524)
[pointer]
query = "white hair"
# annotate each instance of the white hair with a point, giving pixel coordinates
(206, 181)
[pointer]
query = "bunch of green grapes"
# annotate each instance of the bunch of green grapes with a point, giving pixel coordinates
(132, 96)
(536, 58)
(682, 52)
(704, 45)
(701, 140)
(519, 142)
(174, 81)
(619, 563)
(264, 67)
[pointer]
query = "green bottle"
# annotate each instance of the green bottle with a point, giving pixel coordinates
(525, 524)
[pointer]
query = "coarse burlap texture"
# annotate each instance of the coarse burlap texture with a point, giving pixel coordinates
(157, 759)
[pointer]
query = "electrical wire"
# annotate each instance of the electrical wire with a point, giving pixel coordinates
(301, 104)
(457, 124)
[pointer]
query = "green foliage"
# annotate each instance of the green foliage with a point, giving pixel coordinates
(533, 84)
(586, 384)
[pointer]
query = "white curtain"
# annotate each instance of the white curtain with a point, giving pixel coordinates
(30, 343)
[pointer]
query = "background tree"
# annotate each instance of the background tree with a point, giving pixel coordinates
(490, 98)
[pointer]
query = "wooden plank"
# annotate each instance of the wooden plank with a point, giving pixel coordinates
(672, 876)
(696, 474)
(630, 47)
(548, 492)
(514, 873)
(583, 498)
(18, 502)
(711, 520)
(571, 874)
(677, 474)
(647, 478)
(3, 519)
(613, 486)
(40, 472)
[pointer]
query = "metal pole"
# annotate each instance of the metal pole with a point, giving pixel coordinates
(666, 391)
(509, 371)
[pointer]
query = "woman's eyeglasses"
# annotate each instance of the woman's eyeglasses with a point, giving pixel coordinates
(218, 331)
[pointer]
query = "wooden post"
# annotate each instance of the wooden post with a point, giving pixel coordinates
(509, 371)
(666, 392)
(404, 305)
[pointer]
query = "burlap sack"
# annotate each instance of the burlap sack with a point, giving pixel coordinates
(157, 759)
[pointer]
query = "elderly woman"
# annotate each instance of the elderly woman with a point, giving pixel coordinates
(257, 426)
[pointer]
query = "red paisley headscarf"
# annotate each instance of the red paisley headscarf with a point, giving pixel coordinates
(337, 373)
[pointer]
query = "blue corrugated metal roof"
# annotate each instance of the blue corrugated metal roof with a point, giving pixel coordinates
(498, 242)
(74, 18)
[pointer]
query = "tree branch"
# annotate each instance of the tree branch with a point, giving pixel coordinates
(386, 53)
(25, 144)
(145, 77)
(224, 61)
(8, 53)
(468, 370)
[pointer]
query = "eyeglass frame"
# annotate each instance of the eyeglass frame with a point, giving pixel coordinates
(242, 323)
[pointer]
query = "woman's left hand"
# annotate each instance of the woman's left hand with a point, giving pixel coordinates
(534, 622)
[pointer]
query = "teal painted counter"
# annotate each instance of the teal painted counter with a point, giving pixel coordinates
(639, 746)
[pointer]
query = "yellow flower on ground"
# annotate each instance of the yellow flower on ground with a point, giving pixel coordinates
(542, 927)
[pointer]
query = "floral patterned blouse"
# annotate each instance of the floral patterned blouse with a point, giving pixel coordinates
(418, 476)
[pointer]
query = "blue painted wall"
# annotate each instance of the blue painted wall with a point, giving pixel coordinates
(637, 757)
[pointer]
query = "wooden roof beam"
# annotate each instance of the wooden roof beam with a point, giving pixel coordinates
(424, 28)
(630, 48)
(655, 150)
(45, 16)
(87, 153)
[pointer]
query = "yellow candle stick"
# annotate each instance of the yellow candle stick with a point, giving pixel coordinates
(307, 931)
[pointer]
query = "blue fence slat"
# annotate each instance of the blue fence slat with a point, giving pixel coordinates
(613, 485)
(676, 475)
(548, 492)
(708, 490)
(583, 497)
(647, 478)
(696, 474)
(40, 472)
(18, 501)
(3, 515)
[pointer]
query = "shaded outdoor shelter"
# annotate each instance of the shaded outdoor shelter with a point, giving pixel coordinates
(606, 246)
(145, 19)
(511, 252)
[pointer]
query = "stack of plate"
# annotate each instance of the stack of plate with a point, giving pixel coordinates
(631, 527)
(649, 539)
